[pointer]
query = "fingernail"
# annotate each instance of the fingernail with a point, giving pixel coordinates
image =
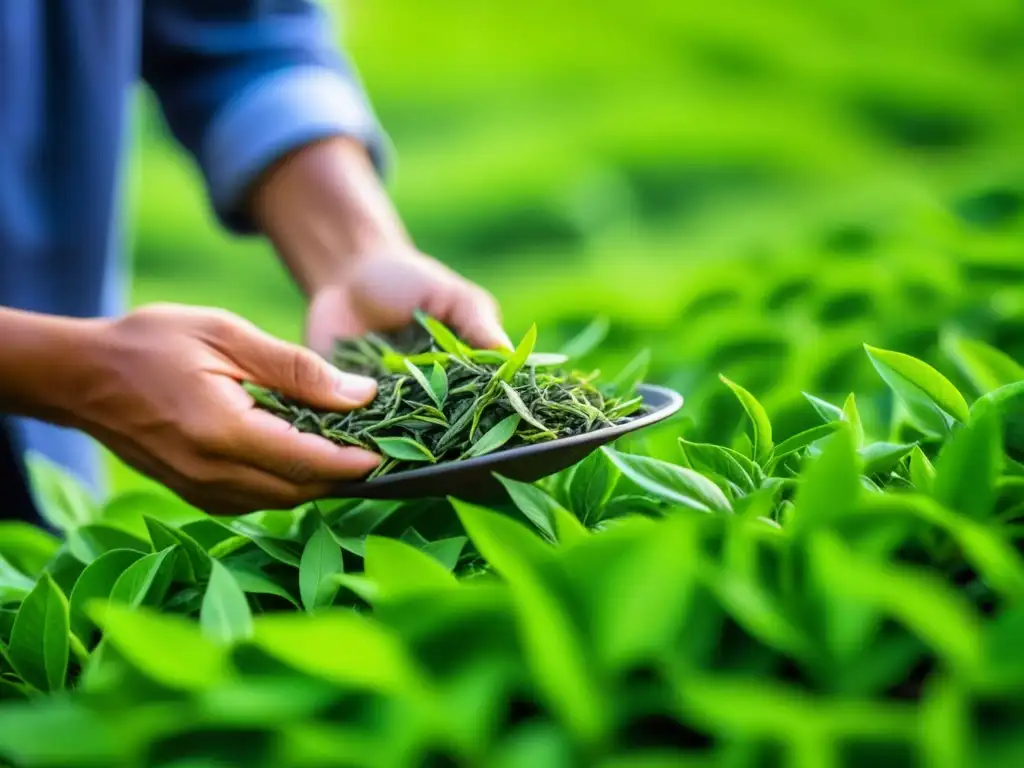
(358, 389)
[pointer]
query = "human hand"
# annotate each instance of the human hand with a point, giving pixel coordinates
(164, 393)
(381, 291)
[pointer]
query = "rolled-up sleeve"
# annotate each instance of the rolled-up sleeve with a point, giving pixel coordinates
(243, 82)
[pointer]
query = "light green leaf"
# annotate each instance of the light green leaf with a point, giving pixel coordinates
(922, 473)
(96, 582)
(826, 410)
(495, 437)
(721, 461)
(591, 486)
(439, 384)
(829, 488)
(762, 426)
(801, 440)
(545, 360)
(513, 534)
(63, 500)
(27, 547)
(340, 647)
(587, 340)
(321, 560)
(670, 482)
(88, 542)
(146, 581)
(446, 551)
(128, 510)
(40, 637)
(404, 448)
(987, 368)
(421, 379)
(852, 415)
(166, 648)
(879, 458)
(507, 371)
(400, 570)
(225, 616)
(441, 334)
(193, 564)
(553, 644)
(969, 466)
(928, 396)
(14, 584)
(534, 503)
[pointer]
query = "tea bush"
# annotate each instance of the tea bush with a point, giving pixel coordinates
(826, 599)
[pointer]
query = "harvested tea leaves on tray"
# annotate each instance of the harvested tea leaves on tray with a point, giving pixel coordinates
(440, 400)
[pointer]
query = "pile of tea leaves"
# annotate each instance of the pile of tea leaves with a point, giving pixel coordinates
(440, 400)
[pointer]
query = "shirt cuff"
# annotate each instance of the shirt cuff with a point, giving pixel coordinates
(271, 117)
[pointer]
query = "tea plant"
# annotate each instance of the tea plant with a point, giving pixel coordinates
(821, 600)
(439, 400)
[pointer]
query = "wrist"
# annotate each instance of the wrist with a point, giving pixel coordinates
(325, 211)
(47, 363)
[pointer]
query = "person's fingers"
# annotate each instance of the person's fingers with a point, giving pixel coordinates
(268, 443)
(476, 317)
(297, 372)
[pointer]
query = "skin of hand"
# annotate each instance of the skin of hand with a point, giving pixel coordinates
(335, 228)
(161, 388)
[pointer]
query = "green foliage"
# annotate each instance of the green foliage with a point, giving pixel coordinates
(830, 595)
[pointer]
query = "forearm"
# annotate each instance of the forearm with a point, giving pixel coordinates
(44, 361)
(323, 207)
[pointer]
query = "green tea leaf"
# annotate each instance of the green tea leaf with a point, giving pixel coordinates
(670, 482)
(545, 360)
(166, 648)
(987, 368)
(852, 415)
(146, 581)
(801, 440)
(343, 648)
(591, 486)
(826, 410)
(922, 473)
(96, 582)
(27, 547)
(128, 510)
(400, 570)
(62, 500)
(225, 615)
(442, 336)
(928, 395)
(446, 551)
(507, 371)
(552, 643)
(969, 466)
(762, 426)
(718, 460)
(534, 503)
(520, 407)
(321, 560)
(495, 437)
(421, 379)
(255, 582)
(587, 340)
(88, 542)
(193, 564)
(404, 448)
(830, 487)
(439, 384)
(14, 584)
(40, 637)
(883, 457)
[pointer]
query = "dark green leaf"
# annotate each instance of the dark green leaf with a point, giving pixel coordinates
(88, 542)
(321, 560)
(883, 457)
(969, 466)
(146, 581)
(591, 486)
(803, 439)
(97, 581)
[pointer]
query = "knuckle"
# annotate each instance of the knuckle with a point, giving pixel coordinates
(297, 471)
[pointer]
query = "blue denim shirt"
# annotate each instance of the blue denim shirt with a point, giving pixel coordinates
(240, 83)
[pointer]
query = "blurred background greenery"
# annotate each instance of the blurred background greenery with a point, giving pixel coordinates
(744, 187)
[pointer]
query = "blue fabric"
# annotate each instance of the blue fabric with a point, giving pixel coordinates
(240, 83)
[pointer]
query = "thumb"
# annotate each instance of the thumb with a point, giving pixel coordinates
(301, 374)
